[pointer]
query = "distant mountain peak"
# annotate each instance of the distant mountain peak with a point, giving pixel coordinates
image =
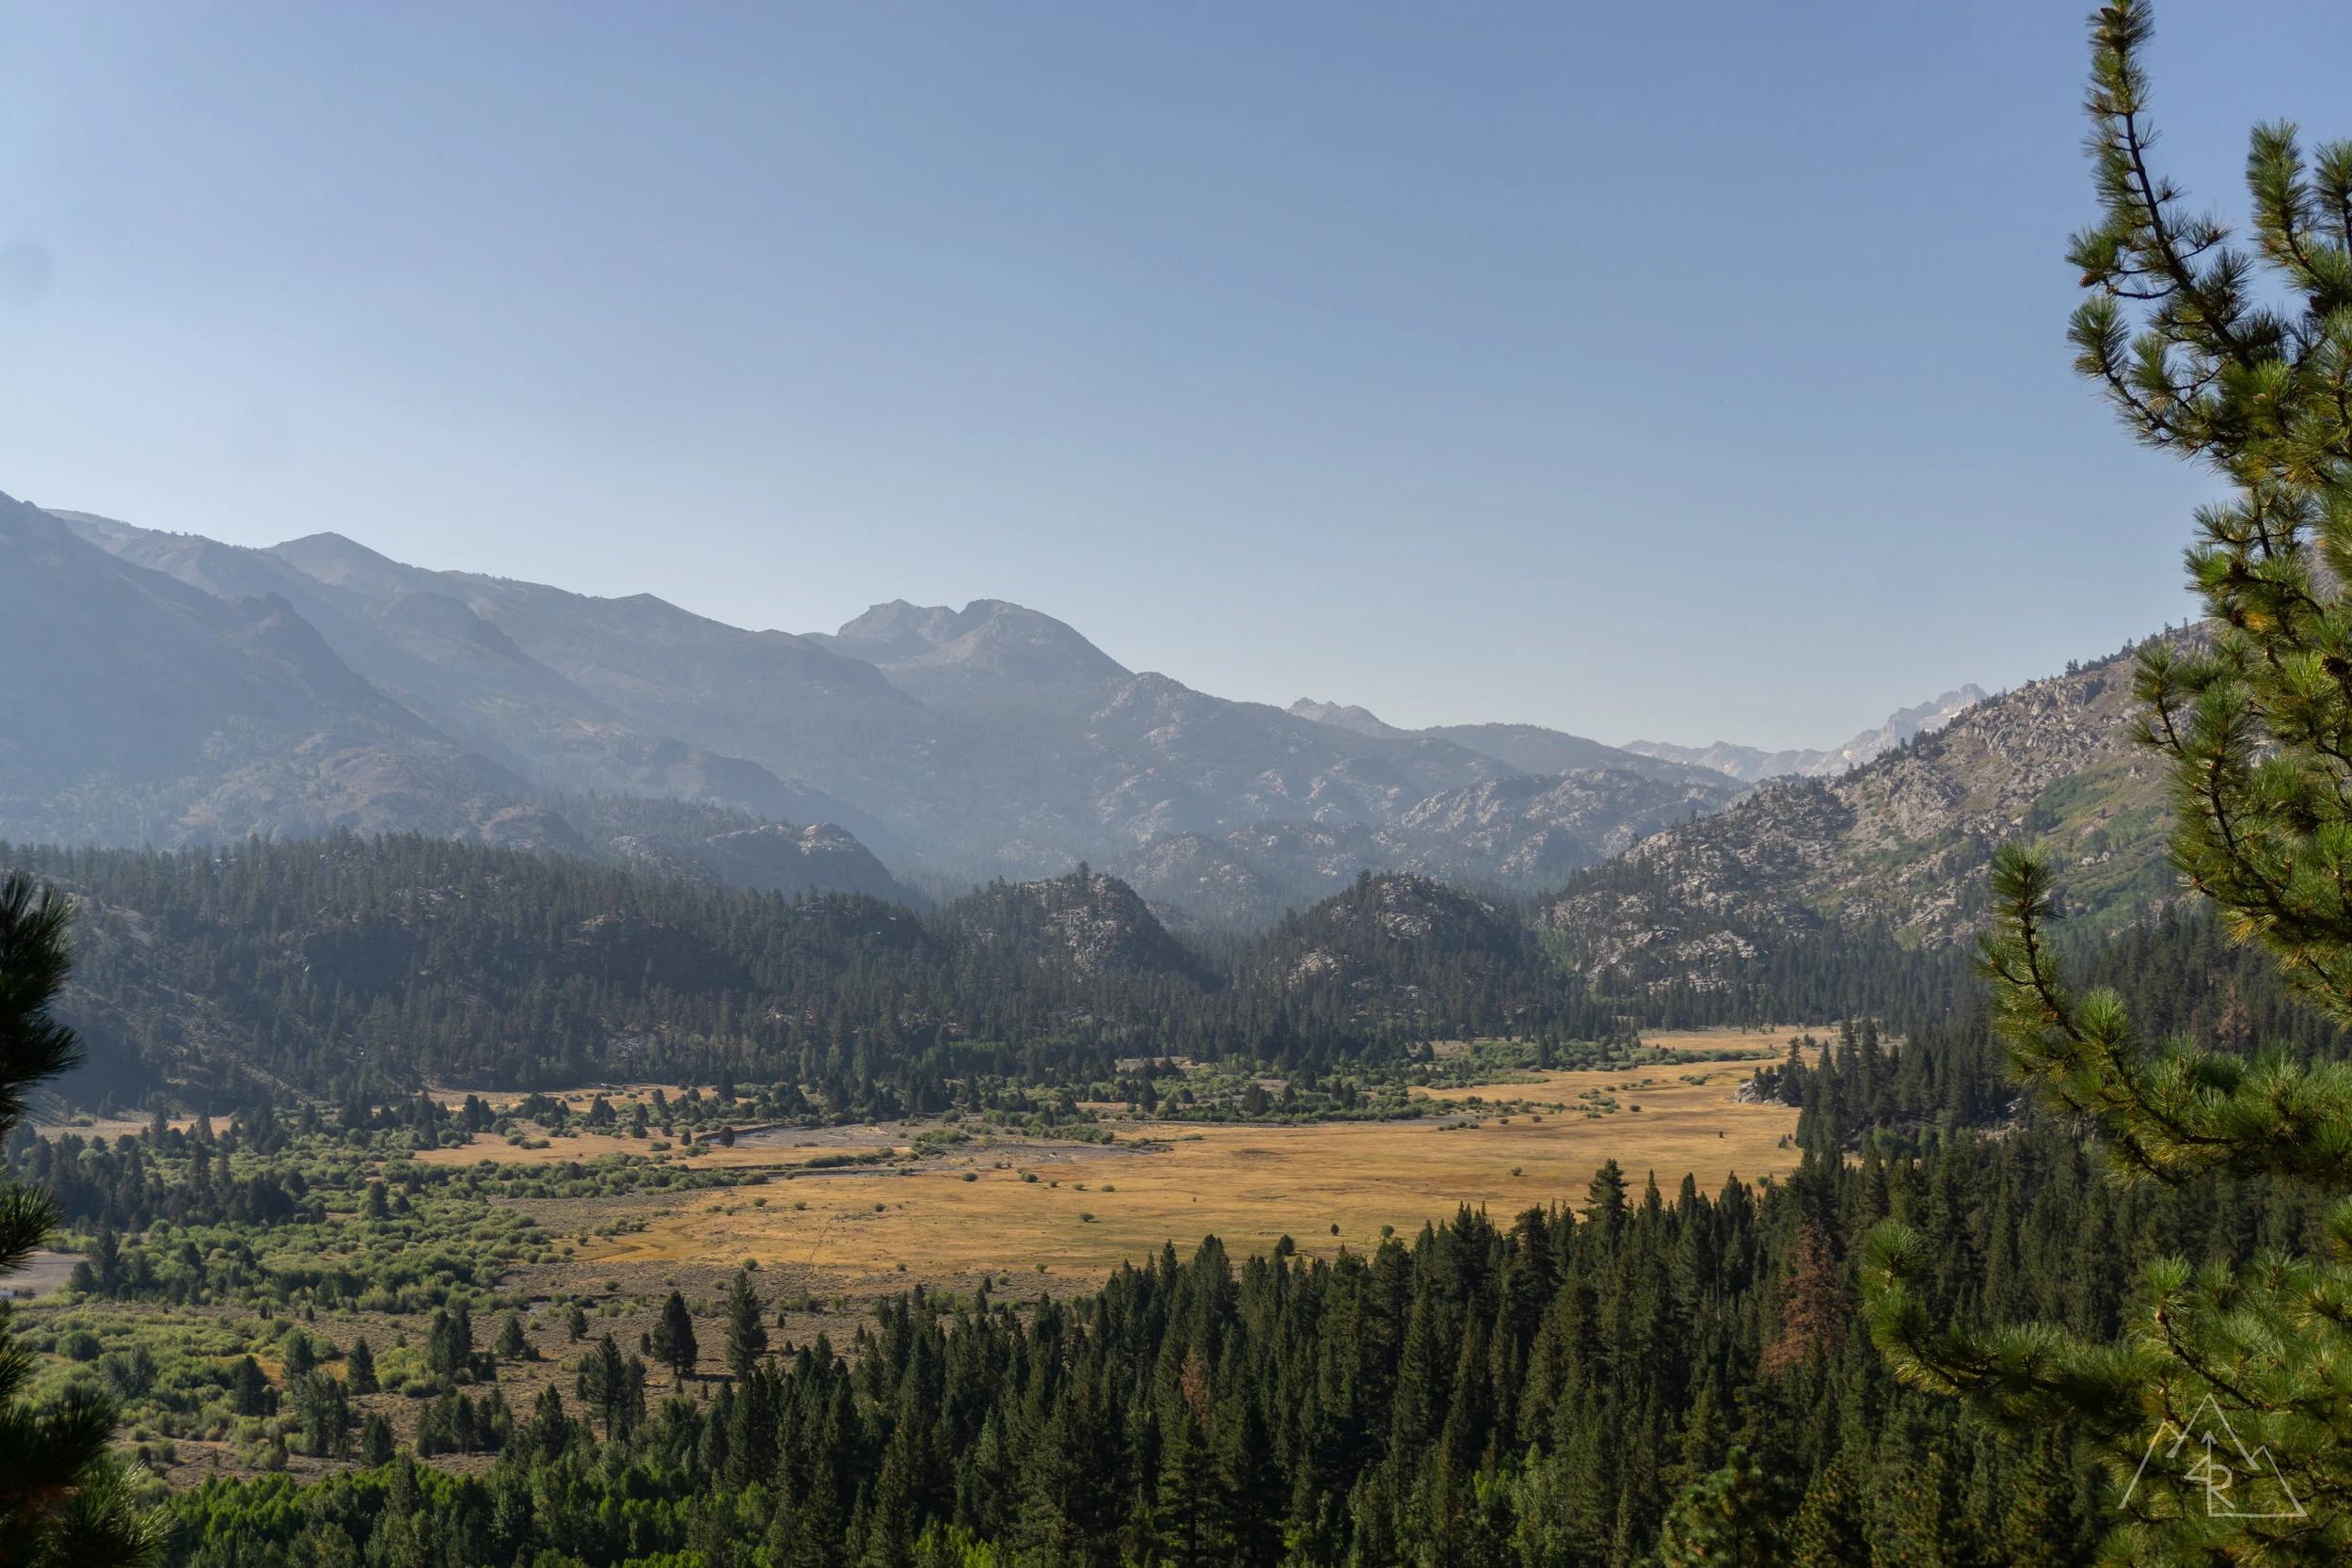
(1752, 765)
(991, 650)
(1346, 716)
(346, 563)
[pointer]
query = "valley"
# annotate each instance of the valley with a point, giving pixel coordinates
(967, 1210)
(415, 1153)
(952, 1209)
(501, 1066)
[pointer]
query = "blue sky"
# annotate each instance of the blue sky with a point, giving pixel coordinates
(1688, 373)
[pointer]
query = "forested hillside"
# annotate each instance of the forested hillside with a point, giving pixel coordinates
(346, 965)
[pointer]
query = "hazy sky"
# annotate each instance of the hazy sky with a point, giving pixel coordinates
(1685, 371)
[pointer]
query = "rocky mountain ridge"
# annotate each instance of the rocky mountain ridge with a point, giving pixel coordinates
(960, 744)
(1900, 844)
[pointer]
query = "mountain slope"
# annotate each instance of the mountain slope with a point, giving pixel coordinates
(198, 704)
(1406, 958)
(463, 675)
(142, 708)
(1029, 748)
(1901, 843)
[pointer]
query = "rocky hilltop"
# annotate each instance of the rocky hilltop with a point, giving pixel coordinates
(1094, 923)
(1398, 947)
(1901, 843)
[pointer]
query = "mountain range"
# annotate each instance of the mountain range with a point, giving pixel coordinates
(173, 690)
(184, 690)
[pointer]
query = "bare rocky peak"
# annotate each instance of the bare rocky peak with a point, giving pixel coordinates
(887, 633)
(1346, 717)
(1901, 725)
(989, 649)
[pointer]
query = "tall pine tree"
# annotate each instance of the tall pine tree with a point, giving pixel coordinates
(2237, 356)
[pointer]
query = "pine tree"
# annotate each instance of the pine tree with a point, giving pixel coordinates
(360, 1366)
(449, 1343)
(1813, 1314)
(603, 1385)
(376, 1442)
(672, 1339)
(2237, 357)
(747, 1335)
(63, 1496)
(1829, 1530)
(1249, 1482)
(1184, 1518)
(550, 1430)
(248, 1388)
(1731, 1519)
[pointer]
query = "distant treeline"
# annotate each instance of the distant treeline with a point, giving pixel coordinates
(348, 966)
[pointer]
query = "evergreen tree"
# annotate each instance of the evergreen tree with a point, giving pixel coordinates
(747, 1335)
(249, 1392)
(360, 1366)
(1829, 1530)
(672, 1339)
(449, 1343)
(603, 1385)
(63, 1496)
(2239, 358)
(376, 1442)
(1732, 1519)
